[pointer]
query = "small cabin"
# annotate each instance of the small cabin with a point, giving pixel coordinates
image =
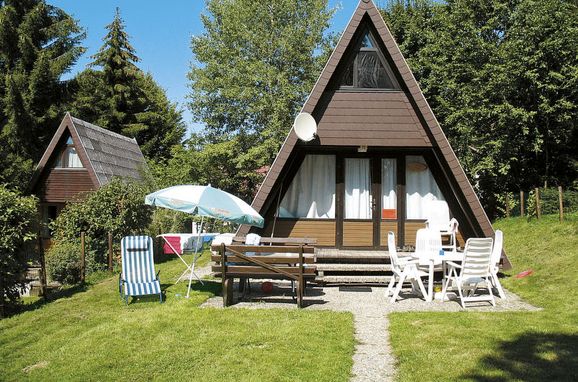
(378, 158)
(81, 157)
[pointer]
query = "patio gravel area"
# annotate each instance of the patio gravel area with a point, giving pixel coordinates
(373, 359)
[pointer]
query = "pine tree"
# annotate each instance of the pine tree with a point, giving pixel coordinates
(122, 98)
(38, 44)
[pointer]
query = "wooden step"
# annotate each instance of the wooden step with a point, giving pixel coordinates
(349, 254)
(354, 279)
(325, 267)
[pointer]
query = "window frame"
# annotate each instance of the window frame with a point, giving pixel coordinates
(62, 159)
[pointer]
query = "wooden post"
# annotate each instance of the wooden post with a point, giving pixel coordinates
(538, 210)
(507, 205)
(110, 251)
(521, 203)
(42, 268)
(226, 282)
(560, 197)
(82, 258)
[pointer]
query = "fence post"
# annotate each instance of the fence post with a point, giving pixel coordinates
(521, 203)
(538, 209)
(110, 251)
(507, 205)
(560, 196)
(42, 268)
(82, 258)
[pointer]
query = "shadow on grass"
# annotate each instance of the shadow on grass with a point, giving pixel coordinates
(531, 357)
(51, 296)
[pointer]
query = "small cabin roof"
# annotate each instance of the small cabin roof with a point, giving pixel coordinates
(104, 153)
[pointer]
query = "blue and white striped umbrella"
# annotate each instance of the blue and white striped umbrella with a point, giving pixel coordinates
(205, 201)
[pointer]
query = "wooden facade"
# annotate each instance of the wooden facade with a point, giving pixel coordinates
(392, 121)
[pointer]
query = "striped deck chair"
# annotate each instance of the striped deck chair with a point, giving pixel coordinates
(138, 269)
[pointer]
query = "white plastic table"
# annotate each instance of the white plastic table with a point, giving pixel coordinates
(433, 260)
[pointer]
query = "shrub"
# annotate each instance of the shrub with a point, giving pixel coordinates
(117, 207)
(18, 225)
(63, 262)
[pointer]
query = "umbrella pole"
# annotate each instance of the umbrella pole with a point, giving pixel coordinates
(195, 258)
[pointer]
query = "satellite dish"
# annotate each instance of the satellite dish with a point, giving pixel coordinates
(305, 127)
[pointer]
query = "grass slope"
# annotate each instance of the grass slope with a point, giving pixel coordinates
(506, 346)
(93, 336)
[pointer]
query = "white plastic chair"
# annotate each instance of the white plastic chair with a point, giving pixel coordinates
(403, 269)
(438, 219)
(495, 265)
(428, 243)
(474, 270)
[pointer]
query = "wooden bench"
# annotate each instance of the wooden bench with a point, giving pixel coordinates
(289, 262)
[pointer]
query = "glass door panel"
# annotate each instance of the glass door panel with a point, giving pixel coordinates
(358, 222)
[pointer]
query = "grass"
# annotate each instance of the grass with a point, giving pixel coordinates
(505, 346)
(91, 335)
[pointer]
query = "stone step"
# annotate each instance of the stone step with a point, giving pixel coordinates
(349, 254)
(354, 279)
(33, 273)
(324, 267)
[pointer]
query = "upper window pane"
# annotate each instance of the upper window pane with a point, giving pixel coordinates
(348, 76)
(371, 73)
(366, 42)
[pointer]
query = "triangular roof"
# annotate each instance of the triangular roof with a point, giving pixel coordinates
(432, 133)
(105, 154)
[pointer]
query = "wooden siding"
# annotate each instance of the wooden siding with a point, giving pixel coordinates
(374, 119)
(61, 185)
(322, 230)
(358, 234)
(385, 227)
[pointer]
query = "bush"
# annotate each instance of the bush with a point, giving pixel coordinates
(63, 262)
(117, 207)
(18, 225)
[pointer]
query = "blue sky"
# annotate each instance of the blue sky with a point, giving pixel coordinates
(160, 32)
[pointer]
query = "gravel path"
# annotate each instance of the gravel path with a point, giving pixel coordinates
(373, 359)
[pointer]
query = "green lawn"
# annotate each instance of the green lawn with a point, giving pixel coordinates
(531, 346)
(93, 336)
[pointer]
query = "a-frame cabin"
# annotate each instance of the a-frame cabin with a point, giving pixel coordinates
(81, 157)
(379, 156)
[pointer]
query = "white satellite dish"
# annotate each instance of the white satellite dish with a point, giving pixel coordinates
(305, 127)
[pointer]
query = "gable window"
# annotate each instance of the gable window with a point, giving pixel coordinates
(68, 157)
(368, 69)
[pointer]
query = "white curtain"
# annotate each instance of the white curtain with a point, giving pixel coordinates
(73, 158)
(421, 187)
(388, 184)
(357, 186)
(312, 191)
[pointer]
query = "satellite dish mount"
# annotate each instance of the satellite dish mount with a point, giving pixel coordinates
(305, 127)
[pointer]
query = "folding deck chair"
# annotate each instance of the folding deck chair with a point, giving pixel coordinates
(138, 269)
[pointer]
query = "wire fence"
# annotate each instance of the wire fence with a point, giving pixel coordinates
(538, 202)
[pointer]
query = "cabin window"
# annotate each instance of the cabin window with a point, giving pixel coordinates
(421, 187)
(69, 158)
(388, 185)
(367, 70)
(357, 188)
(312, 191)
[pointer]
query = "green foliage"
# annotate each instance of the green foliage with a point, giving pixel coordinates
(254, 66)
(122, 98)
(550, 202)
(18, 225)
(117, 207)
(38, 44)
(63, 262)
(501, 78)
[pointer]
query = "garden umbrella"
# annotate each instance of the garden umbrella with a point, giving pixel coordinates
(205, 201)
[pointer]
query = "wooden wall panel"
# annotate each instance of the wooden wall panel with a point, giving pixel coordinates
(322, 230)
(357, 234)
(62, 185)
(385, 227)
(411, 228)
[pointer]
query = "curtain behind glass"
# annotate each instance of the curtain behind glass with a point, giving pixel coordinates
(73, 158)
(421, 187)
(357, 186)
(388, 185)
(312, 191)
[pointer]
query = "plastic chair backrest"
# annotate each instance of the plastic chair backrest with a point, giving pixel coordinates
(438, 215)
(392, 249)
(252, 239)
(137, 259)
(428, 242)
(477, 257)
(498, 246)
